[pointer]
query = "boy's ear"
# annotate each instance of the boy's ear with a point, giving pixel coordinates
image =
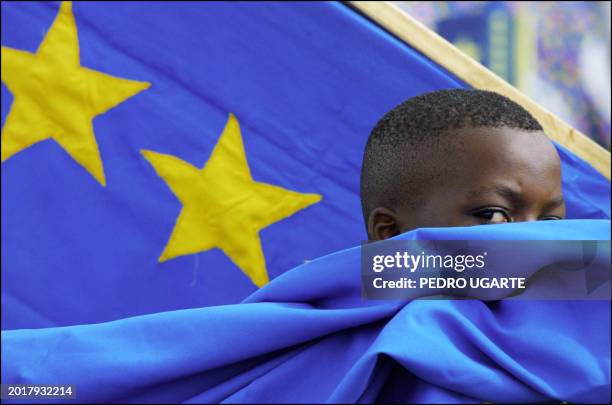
(382, 224)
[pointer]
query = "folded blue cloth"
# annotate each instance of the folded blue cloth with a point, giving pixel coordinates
(308, 336)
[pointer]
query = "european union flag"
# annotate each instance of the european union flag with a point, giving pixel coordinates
(174, 156)
(127, 189)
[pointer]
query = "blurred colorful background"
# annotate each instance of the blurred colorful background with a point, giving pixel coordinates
(558, 53)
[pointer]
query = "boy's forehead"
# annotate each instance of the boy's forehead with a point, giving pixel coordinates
(492, 146)
(483, 156)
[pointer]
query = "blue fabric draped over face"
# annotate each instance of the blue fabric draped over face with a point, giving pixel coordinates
(309, 337)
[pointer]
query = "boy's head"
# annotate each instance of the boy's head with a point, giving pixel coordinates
(458, 158)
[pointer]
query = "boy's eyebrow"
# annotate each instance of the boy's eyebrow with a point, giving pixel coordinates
(554, 203)
(514, 196)
(508, 193)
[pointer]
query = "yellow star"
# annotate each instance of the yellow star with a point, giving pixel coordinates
(223, 206)
(55, 97)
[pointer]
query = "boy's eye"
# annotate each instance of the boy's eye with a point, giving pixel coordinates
(549, 218)
(492, 216)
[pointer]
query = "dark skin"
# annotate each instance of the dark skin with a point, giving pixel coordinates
(491, 175)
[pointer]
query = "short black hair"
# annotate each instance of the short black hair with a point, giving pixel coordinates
(394, 152)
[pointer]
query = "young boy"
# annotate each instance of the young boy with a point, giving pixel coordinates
(458, 158)
(470, 157)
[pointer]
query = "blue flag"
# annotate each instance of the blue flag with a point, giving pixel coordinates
(308, 336)
(161, 162)
(123, 123)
